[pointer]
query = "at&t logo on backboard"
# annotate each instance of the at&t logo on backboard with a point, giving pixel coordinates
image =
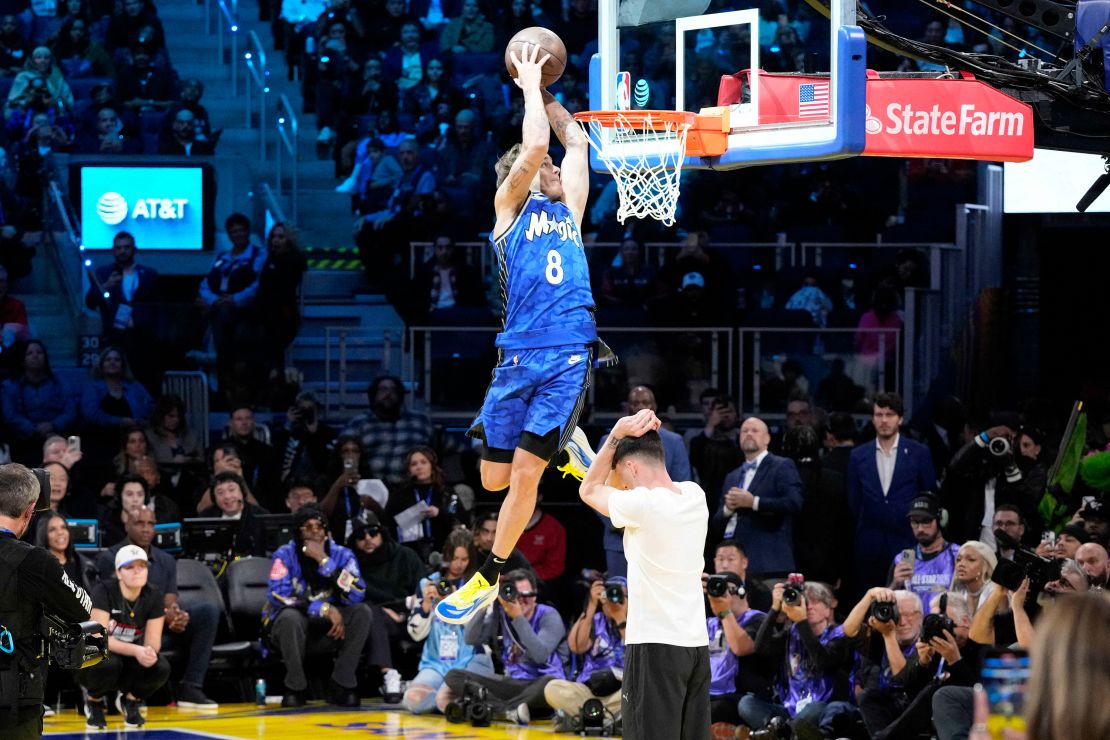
(112, 208)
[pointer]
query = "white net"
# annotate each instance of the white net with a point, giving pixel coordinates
(645, 155)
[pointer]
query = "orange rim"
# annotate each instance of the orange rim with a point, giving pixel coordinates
(638, 119)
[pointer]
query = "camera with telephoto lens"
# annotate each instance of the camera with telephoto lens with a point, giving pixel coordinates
(794, 590)
(443, 586)
(1026, 564)
(717, 585)
(614, 592)
(935, 625)
(72, 647)
(473, 707)
(1001, 448)
(509, 592)
(883, 611)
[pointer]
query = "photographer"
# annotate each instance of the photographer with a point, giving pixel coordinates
(985, 474)
(598, 635)
(894, 617)
(132, 612)
(530, 636)
(733, 666)
(31, 581)
(301, 445)
(800, 637)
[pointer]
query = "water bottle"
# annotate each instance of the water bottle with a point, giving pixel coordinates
(260, 692)
(453, 505)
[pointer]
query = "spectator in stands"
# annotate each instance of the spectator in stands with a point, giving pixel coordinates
(404, 63)
(182, 140)
(124, 28)
(631, 285)
(485, 529)
(344, 505)
(531, 636)
(113, 400)
(883, 315)
(15, 256)
(301, 445)
(13, 315)
(1093, 559)
(975, 562)
(759, 501)
(509, 18)
(840, 438)
(299, 492)
(837, 391)
(39, 86)
(171, 440)
(716, 449)
(386, 28)
(734, 668)
(14, 47)
(932, 568)
(131, 493)
(133, 445)
(977, 482)
(373, 95)
(389, 430)
(597, 636)
(424, 500)
(52, 533)
(337, 68)
(279, 288)
(37, 404)
(257, 456)
(160, 498)
(391, 572)
(544, 543)
(192, 90)
(698, 256)
(884, 477)
(802, 639)
(823, 528)
(464, 158)
(229, 491)
(225, 457)
(446, 283)
(416, 181)
(145, 84)
(1009, 519)
(374, 176)
(314, 577)
(469, 33)
(197, 627)
(227, 295)
(1068, 541)
(131, 611)
(59, 490)
(79, 55)
(444, 645)
(799, 409)
(109, 136)
(420, 99)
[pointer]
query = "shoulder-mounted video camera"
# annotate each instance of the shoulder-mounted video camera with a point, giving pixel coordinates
(1026, 564)
(72, 647)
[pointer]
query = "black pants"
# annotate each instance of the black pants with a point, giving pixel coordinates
(916, 718)
(666, 692)
(27, 727)
(503, 693)
(880, 707)
(292, 633)
(722, 708)
(124, 674)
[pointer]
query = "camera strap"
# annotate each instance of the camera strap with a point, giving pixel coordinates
(7, 642)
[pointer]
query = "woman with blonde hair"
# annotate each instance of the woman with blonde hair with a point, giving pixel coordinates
(975, 562)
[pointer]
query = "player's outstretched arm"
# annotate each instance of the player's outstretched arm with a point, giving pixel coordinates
(575, 165)
(534, 135)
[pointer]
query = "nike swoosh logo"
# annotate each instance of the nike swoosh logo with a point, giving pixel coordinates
(574, 359)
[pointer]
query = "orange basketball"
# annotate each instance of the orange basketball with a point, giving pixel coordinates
(548, 42)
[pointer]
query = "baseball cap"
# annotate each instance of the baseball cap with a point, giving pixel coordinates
(1093, 511)
(925, 506)
(1076, 531)
(692, 278)
(129, 554)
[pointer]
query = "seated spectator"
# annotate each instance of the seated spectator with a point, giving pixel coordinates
(58, 449)
(421, 98)
(124, 28)
(78, 55)
(882, 315)
(465, 157)
(531, 635)
(133, 445)
(171, 440)
(734, 667)
(52, 533)
(446, 282)
(932, 568)
(469, 33)
(598, 637)
(227, 295)
(182, 138)
(109, 137)
(196, 627)
(386, 28)
(113, 400)
(131, 494)
(192, 90)
(37, 404)
(344, 505)
(633, 284)
(404, 62)
(256, 455)
(226, 457)
(511, 17)
(444, 645)
(425, 497)
(71, 507)
(404, 208)
(485, 530)
(133, 616)
(811, 299)
(39, 86)
(374, 176)
(1092, 557)
(147, 83)
(336, 73)
(544, 544)
(162, 499)
(316, 593)
(802, 639)
(302, 444)
(229, 492)
(391, 572)
(279, 291)
(974, 564)
(299, 493)
(389, 430)
(15, 49)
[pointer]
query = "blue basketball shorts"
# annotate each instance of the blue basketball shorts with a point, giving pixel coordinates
(533, 393)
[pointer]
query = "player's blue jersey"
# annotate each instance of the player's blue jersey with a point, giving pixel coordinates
(545, 279)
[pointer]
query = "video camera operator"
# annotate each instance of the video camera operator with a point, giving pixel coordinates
(985, 474)
(32, 583)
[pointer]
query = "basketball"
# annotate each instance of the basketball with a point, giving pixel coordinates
(548, 42)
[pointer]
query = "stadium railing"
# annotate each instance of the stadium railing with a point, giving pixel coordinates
(287, 130)
(258, 80)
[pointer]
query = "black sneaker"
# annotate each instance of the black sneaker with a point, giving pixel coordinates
(341, 696)
(190, 696)
(94, 714)
(292, 698)
(130, 709)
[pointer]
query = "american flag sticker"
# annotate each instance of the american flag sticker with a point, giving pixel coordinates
(813, 100)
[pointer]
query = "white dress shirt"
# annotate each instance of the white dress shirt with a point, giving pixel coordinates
(885, 461)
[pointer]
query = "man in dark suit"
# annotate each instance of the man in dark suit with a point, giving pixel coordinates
(884, 476)
(760, 499)
(124, 292)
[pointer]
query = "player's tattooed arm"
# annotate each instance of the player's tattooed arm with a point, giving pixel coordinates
(521, 175)
(563, 123)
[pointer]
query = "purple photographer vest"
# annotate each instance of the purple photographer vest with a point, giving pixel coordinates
(723, 664)
(803, 685)
(607, 651)
(517, 664)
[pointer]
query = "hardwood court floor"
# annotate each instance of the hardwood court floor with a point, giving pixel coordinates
(313, 722)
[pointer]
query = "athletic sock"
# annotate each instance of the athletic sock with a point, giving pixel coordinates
(491, 569)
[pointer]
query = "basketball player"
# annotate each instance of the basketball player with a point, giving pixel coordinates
(549, 339)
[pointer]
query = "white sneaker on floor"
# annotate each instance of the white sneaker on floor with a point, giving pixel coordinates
(519, 715)
(47, 711)
(391, 687)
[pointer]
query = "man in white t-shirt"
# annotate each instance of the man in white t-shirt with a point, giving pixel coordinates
(666, 658)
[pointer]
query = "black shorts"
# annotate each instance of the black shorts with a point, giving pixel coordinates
(665, 694)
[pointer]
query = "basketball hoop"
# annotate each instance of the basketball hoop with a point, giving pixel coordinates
(644, 151)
